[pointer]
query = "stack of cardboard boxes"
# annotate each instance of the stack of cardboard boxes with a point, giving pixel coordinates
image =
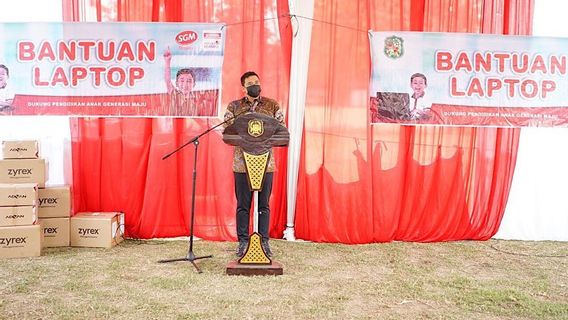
(54, 212)
(21, 172)
(33, 216)
(25, 198)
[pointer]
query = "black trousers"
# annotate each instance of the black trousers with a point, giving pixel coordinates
(244, 203)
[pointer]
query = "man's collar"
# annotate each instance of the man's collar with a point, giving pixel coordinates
(420, 96)
(259, 99)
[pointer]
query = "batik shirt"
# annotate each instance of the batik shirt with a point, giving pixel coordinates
(263, 105)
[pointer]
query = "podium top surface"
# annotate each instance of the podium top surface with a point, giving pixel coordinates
(256, 133)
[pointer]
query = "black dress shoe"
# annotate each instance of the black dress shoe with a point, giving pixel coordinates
(266, 248)
(241, 249)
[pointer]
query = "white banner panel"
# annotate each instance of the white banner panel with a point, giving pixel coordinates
(111, 69)
(468, 79)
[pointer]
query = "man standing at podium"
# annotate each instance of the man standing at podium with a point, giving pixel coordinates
(252, 102)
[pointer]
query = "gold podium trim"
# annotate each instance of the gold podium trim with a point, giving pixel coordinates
(256, 167)
(255, 253)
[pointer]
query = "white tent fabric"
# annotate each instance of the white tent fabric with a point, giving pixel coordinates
(538, 208)
(298, 84)
(53, 133)
(538, 203)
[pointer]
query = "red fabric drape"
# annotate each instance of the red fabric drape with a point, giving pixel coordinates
(357, 183)
(361, 183)
(117, 162)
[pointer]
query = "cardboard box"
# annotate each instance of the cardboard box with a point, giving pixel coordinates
(28, 149)
(20, 241)
(55, 232)
(23, 194)
(23, 171)
(97, 229)
(54, 202)
(18, 216)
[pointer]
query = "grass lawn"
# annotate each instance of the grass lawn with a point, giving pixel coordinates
(494, 279)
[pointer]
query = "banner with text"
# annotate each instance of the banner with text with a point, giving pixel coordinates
(468, 79)
(111, 69)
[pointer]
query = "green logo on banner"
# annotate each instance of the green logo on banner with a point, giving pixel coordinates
(394, 47)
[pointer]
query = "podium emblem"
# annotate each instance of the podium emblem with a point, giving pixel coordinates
(255, 128)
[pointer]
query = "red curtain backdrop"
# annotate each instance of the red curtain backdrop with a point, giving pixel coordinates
(357, 183)
(360, 183)
(117, 161)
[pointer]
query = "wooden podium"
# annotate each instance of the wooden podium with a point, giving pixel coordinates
(256, 134)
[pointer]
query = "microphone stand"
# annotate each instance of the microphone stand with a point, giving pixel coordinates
(195, 140)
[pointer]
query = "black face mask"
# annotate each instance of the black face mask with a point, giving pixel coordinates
(254, 90)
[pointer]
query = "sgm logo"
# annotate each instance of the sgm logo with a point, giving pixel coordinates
(17, 196)
(44, 201)
(87, 231)
(49, 230)
(11, 241)
(18, 149)
(15, 216)
(185, 38)
(19, 172)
